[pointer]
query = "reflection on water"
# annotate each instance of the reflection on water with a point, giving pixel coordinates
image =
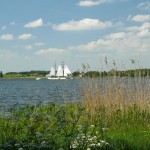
(20, 92)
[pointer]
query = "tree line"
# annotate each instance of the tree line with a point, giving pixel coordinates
(112, 72)
(33, 73)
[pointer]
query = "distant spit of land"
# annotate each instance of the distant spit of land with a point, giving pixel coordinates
(113, 72)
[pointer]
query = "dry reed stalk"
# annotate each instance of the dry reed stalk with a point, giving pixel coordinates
(114, 94)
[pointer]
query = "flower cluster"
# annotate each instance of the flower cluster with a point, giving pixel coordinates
(88, 140)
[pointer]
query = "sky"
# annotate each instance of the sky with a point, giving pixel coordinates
(34, 34)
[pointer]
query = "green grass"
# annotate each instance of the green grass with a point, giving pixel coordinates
(71, 126)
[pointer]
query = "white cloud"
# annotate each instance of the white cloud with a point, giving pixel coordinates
(118, 35)
(141, 31)
(7, 37)
(132, 28)
(144, 5)
(49, 51)
(144, 33)
(84, 24)
(88, 3)
(28, 47)
(122, 44)
(140, 18)
(25, 36)
(39, 44)
(144, 26)
(34, 24)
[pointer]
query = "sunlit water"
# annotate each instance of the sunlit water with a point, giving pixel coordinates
(21, 92)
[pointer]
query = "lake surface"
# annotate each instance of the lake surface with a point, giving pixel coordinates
(20, 92)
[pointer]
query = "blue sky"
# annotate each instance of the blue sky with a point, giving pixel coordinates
(36, 33)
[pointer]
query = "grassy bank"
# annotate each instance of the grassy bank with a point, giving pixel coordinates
(114, 115)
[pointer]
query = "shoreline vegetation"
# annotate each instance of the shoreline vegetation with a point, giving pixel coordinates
(77, 74)
(113, 115)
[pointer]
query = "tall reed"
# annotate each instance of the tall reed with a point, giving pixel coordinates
(115, 94)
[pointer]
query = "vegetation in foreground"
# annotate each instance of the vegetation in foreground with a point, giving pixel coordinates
(114, 115)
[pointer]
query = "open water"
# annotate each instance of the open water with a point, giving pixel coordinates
(21, 92)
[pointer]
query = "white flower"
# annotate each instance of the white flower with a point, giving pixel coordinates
(92, 145)
(74, 145)
(105, 129)
(83, 137)
(92, 126)
(79, 127)
(102, 141)
(99, 144)
(94, 137)
(20, 148)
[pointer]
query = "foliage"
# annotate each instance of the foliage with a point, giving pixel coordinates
(76, 73)
(1, 74)
(124, 73)
(49, 127)
(72, 126)
(26, 74)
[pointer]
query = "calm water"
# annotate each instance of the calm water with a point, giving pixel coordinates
(20, 92)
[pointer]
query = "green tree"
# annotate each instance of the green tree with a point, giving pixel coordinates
(76, 73)
(1, 74)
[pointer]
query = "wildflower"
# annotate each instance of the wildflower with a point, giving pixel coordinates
(74, 145)
(90, 139)
(17, 144)
(79, 127)
(92, 126)
(20, 148)
(83, 137)
(43, 142)
(75, 141)
(102, 141)
(105, 129)
(94, 137)
(92, 145)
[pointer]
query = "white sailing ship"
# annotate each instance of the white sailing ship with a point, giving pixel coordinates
(62, 72)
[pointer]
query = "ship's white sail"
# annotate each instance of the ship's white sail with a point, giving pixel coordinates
(59, 71)
(67, 72)
(52, 73)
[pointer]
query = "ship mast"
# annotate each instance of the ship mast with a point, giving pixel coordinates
(55, 68)
(63, 64)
